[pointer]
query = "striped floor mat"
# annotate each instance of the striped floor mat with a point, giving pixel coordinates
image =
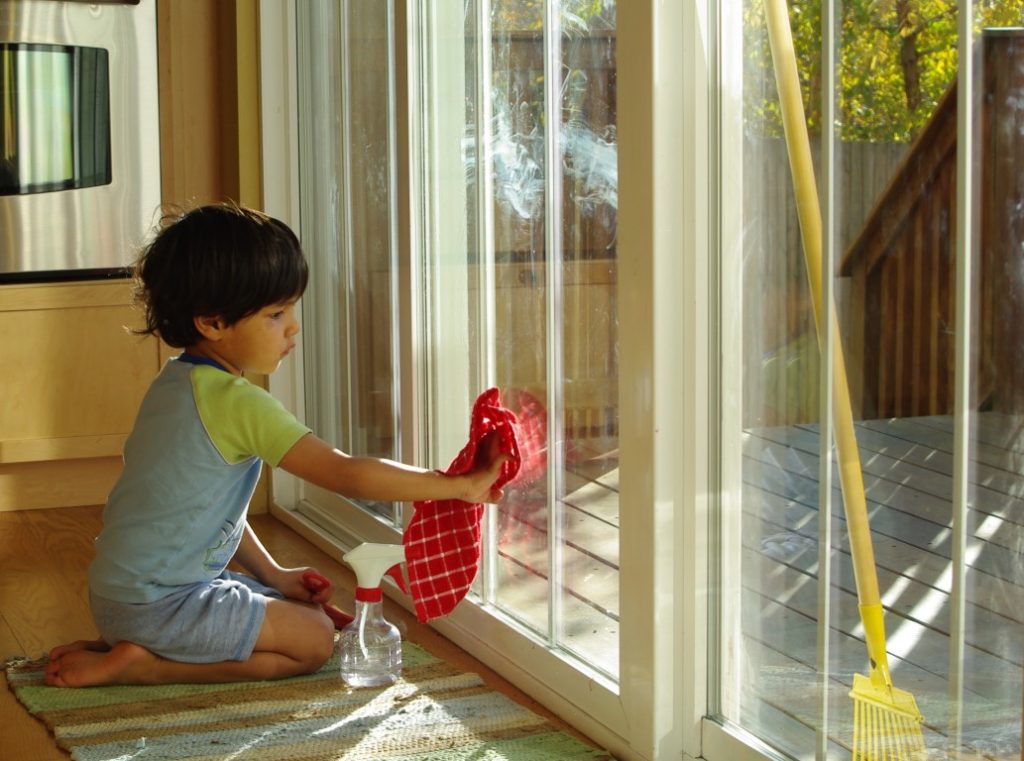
(433, 712)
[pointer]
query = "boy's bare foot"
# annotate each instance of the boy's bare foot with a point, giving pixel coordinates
(83, 644)
(83, 664)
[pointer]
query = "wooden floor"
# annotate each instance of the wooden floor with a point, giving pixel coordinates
(907, 466)
(44, 556)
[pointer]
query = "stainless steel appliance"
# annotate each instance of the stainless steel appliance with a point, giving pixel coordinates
(79, 137)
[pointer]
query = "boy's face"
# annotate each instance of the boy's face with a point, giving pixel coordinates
(254, 344)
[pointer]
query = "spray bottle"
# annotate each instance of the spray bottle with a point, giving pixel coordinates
(371, 648)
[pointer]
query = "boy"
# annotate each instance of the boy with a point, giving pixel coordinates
(220, 282)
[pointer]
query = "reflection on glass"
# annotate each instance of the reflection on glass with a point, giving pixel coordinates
(953, 615)
(555, 326)
(54, 118)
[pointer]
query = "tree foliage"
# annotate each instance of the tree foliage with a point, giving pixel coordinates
(528, 15)
(896, 58)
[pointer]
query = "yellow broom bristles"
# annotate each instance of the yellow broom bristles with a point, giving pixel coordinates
(886, 723)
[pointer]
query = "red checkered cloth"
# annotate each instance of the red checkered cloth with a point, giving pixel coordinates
(442, 542)
(531, 435)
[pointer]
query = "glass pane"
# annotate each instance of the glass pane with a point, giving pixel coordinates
(347, 203)
(556, 349)
(538, 283)
(372, 266)
(896, 136)
(945, 624)
(771, 574)
(516, 163)
(988, 642)
(944, 556)
(588, 321)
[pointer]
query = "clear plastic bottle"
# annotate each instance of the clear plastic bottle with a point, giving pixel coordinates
(371, 648)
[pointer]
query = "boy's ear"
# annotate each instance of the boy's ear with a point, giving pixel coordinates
(210, 327)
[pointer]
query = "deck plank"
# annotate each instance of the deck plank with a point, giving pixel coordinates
(999, 496)
(916, 517)
(907, 466)
(937, 445)
(916, 600)
(911, 641)
(998, 429)
(896, 557)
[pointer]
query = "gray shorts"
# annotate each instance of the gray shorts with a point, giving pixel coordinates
(208, 622)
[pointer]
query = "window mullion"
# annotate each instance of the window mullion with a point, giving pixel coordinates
(440, 198)
(827, 379)
(344, 257)
(394, 287)
(486, 337)
(553, 282)
(962, 378)
(409, 135)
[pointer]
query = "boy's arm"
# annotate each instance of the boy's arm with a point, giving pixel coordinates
(294, 583)
(316, 461)
(254, 558)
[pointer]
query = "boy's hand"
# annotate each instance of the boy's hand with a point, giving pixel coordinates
(291, 582)
(478, 484)
(319, 585)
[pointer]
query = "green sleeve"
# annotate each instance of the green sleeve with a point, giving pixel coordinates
(242, 419)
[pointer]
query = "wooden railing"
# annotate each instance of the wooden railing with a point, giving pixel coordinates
(902, 310)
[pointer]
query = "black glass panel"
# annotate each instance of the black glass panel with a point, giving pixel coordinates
(54, 118)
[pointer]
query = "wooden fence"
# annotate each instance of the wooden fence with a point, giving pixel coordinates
(780, 343)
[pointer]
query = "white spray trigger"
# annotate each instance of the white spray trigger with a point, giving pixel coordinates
(371, 561)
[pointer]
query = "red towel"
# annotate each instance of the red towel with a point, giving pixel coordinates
(442, 542)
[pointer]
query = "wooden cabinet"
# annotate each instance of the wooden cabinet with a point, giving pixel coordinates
(73, 378)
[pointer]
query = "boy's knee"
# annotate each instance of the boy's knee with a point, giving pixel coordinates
(321, 645)
(326, 649)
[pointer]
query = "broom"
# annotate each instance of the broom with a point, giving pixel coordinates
(887, 722)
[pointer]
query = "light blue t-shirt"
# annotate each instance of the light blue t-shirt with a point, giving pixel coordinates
(191, 464)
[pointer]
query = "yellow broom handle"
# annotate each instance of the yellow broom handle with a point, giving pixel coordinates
(799, 149)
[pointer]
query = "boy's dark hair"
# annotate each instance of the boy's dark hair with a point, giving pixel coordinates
(221, 261)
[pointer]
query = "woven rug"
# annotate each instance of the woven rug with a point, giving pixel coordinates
(433, 712)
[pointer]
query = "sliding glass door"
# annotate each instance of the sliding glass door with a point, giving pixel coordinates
(514, 104)
(908, 117)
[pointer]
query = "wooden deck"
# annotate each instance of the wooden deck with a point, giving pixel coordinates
(908, 469)
(907, 466)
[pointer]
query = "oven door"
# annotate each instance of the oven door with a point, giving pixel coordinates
(79, 137)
